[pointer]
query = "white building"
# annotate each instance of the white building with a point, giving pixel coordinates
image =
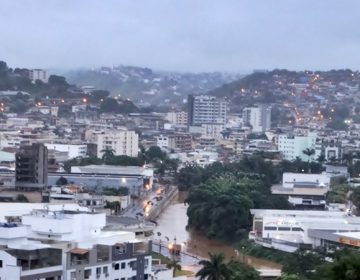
(121, 142)
(259, 118)
(162, 142)
(291, 180)
(38, 74)
(305, 190)
(289, 230)
(72, 150)
(292, 146)
(70, 245)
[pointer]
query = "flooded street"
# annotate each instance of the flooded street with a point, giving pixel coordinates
(172, 223)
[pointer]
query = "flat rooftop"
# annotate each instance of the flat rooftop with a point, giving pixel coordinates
(317, 191)
(110, 169)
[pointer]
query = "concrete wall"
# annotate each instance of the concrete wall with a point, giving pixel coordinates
(159, 208)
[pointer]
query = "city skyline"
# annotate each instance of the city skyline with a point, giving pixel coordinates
(235, 36)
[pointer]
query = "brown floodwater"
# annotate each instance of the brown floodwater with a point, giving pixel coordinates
(172, 224)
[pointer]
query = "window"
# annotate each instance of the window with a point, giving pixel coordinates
(98, 270)
(270, 228)
(87, 274)
(284, 228)
(105, 269)
(123, 265)
(116, 266)
(1, 264)
(73, 275)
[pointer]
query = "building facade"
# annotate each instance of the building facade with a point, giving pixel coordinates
(181, 142)
(73, 151)
(122, 142)
(38, 74)
(31, 166)
(177, 118)
(204, 109)
(292, 146)
(259, 118)
(71, 245)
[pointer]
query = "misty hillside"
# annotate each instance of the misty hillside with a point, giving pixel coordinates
(280, 86)
(149, 86)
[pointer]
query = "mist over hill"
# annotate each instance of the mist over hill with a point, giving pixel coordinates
(144, 85)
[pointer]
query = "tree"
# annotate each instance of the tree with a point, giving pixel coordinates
(345, 267)
(61, 181)
(108, 155)
(57, 81)
(154, 152)
(214, 269)
(241, 271)
(175, 266)
(97, 95)
(109, 105)
(338, 194)
(355, 197)
(21, 198)
(289, 277)
(321, 159)
(309, 152)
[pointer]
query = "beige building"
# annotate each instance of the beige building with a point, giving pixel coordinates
(178, 118)
(121, 142)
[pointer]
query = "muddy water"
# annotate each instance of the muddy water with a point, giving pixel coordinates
(172, 223)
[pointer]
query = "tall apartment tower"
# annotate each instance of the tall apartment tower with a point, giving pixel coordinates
(205, 109)
(258, 117)
(31, 169)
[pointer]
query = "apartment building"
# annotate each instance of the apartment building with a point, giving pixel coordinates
(31, 166)
(205, 109)
(70, 245)
(121, 142)
(259, 118)
(292, 146)
(177, 117)
(181, 142)
(38, 74)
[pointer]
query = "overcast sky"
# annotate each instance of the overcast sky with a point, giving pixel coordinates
(183, 35)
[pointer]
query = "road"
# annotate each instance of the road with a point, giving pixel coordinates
(141, 206)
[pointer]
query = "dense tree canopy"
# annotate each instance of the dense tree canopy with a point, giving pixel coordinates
(220, 206)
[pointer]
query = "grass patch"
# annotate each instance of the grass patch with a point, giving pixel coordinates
(183, 273)
(162, 258)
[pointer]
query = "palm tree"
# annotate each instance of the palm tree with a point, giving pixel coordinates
(108, 155)
(214, 269)
(174, 265)
(308, 152)
(347, 267)
(321, 159)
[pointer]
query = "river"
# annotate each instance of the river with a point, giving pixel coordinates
(172, 224)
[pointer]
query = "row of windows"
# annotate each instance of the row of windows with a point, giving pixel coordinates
(283, 229)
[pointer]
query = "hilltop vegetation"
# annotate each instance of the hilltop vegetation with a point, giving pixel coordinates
(280, 86)
(57, 87)
(149, 86)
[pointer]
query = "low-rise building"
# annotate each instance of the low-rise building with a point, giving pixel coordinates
(71, 245)
(289, 230)
(72, 150)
